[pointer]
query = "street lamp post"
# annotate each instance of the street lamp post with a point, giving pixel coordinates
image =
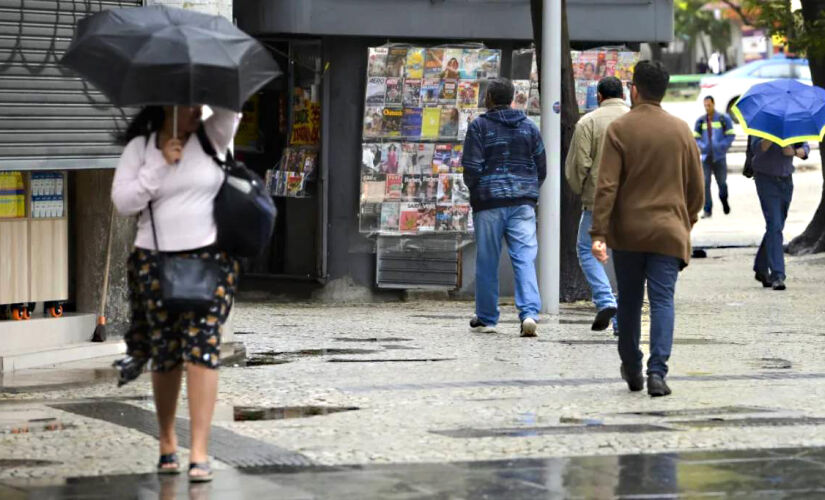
(550, 196)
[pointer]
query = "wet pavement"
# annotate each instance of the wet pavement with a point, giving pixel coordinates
(401, 401)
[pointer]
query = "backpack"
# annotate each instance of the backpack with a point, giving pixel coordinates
(244, 211)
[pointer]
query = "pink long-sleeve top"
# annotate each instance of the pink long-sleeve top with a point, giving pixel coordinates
(182, 195)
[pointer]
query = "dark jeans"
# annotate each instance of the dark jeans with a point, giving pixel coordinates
(775, 194)
(660, 272)
(719, 169)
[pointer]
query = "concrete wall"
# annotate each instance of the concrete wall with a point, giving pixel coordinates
(218, 7)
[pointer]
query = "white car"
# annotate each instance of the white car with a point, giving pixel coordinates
(728, 87)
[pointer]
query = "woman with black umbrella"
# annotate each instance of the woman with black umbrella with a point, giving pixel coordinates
(171, 182)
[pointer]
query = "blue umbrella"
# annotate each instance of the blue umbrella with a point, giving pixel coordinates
(783, 111)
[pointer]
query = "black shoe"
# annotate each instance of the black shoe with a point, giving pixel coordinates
(128, 369)
(725, 207)
(656, 386)
(779, 285)
(603, 319)
(699, 253)
(762, 279)
(479, 327)
(635, 382)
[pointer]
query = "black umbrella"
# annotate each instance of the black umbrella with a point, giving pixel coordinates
(165, 56)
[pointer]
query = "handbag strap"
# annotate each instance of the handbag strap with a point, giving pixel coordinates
(154, 232)
(209, 149)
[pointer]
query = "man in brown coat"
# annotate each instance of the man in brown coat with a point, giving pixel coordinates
(650, 192)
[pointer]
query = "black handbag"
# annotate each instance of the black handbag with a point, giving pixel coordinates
(244, 211)
(187, 283)
(747, 171)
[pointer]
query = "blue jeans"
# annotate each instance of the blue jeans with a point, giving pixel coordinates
(775, 194)
(720, 170)
(594, 271)
(660, 272)
(518, 226)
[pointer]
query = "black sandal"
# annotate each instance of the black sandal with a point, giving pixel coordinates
(201, 466)
(167, 460)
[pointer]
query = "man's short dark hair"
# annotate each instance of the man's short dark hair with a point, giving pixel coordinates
(710, 98)
(651, 80)
(500, 91)
(610, 88)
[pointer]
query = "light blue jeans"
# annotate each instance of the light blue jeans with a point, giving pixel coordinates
(517, 225)
(594, 270)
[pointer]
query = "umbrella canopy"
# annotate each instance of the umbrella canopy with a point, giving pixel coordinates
(165, 56)
(783, 111)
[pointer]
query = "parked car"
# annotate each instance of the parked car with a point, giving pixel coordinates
(730, 86)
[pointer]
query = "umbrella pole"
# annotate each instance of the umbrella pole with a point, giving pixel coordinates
(174, 122)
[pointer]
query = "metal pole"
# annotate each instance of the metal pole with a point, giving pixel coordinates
(550, 197)
(174, 122)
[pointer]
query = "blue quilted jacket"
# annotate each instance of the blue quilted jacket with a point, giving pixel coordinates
(504, 160)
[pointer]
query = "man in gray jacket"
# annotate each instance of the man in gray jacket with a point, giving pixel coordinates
(582, 172)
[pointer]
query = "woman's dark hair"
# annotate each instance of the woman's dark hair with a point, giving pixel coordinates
(148, 120)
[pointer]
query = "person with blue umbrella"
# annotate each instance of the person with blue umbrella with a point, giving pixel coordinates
(779, 116)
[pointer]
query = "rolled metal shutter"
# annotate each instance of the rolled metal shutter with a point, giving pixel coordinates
(49, 117)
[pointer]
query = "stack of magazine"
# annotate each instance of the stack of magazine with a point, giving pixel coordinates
(294, 173)
(418, 105)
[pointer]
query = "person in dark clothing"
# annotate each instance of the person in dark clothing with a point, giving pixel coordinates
(504, 166)
(773, 169)
(714, 134)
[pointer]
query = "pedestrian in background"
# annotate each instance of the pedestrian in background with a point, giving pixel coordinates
(714, 134)
(504, 166)
(171, 183)
(773, 169)
(582, 172)
(650, 191)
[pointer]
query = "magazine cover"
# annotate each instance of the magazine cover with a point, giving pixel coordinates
(468, 93)
(389, 216)
(390, 156)
(451, 64)
(443, 219)
(534, 101)
(409, 217)
(433, 63)
(425, 158)
(430, 89)
(376, 89)
(429, 189)
(448, 93)
(466, 117)
(373, 188)
(412, 92)
(455, 159)
(426, 217)
(625, 65)
(469, 64)
(378, 61)
(370, 218)
(370, 158)
(482, 94)
(587, 65)
(411, 189)
(394, 96)
(374, 121)
(411, 122)
(441, 158)
(448, 122)
(396, 61)
(445, 189)
(310, 164)
(521, 95)
(294, 184)
(281, 187)
(409, 159)
(430, 121)
(460, 218)
(461, 193)
(611, 63)
(392, 122)
(415, 63)
(393, 187)
(490, 63)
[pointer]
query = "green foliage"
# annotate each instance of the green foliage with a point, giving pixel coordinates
(691, 21)
(804, 29)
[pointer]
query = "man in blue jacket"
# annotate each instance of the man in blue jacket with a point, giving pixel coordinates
(504, 166)
(714, 133)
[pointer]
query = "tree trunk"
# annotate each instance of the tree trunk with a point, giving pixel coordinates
(812, 240)
(573, 285)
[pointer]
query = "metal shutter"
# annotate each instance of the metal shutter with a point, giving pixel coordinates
(49, 118)
(422, 262)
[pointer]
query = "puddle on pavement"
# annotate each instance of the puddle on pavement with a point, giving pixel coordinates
(254, 413)
(551, 430)
(441, 316)
(267, 358)
(775, 364)
(613, 341)
(263, 360)
(372, 339)
(401, 348)
(14, 463)
(418, 360)
(723, 410)
(564, 321)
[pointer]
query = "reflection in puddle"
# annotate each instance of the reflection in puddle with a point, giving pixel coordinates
(8, 463)
(372, 339)
(251, 413)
